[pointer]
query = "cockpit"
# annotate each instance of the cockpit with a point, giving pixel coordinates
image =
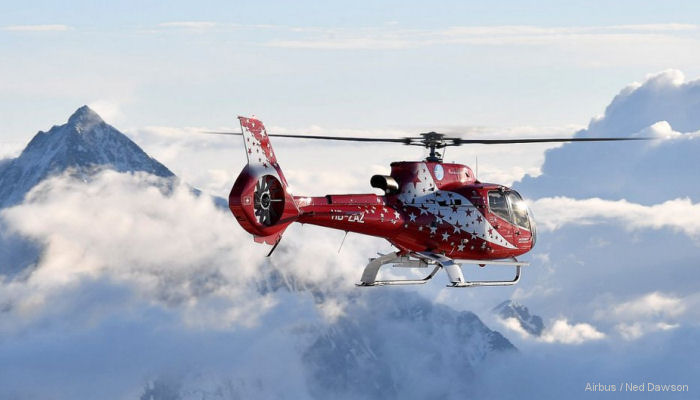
(509, 205)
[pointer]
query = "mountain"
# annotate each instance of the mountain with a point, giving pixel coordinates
(400, 345)
(531, 323)
(389, 344)
(82, 146)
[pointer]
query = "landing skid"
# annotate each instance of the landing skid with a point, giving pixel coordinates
(436, 261)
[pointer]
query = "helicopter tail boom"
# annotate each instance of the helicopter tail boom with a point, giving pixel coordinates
(259, 198)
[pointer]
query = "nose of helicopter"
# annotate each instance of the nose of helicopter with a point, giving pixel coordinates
(533, 227)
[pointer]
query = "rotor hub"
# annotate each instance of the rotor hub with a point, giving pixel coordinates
(265, 200)
(268, 200)
(432, 141)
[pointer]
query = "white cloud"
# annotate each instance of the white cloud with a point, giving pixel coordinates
(109, 110)
(389, 37)
(681, 215)
(37, 28)
(654, 304)
(645, 314)
(189, 24)
(176, 250)
(663, 131)
(514, 325)
(635, 330)
(558, 331)
(331, 310)
(10, 149)
(663, 106)
(562, 332)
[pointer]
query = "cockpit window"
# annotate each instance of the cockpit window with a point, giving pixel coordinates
(519, 209)
(499, 205)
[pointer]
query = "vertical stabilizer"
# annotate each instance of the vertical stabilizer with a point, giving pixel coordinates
(259, 199)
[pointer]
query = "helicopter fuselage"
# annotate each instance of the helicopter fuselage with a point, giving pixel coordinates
(435, 207)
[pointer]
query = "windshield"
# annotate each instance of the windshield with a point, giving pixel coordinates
(499, 205)
(519, 209)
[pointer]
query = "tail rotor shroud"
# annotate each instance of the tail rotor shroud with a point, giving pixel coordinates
(268, 200)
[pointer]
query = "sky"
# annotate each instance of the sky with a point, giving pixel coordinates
(399, 68)
(614, 272)
(392, 65)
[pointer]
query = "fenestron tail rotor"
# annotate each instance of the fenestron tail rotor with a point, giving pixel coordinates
(268, 200)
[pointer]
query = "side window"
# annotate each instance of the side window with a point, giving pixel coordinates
(519, 209)
(499, 205)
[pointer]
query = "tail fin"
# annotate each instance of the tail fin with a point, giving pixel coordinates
(259, 199)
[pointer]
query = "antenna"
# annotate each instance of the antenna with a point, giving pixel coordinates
(343, 241)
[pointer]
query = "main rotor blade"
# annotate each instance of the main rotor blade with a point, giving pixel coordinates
(343, 138)
(443, 140)
(459, 141)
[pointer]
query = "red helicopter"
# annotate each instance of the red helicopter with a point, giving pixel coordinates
(436, 214)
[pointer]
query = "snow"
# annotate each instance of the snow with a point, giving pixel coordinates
(84, 145)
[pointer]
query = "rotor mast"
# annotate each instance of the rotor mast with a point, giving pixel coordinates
(432, 141)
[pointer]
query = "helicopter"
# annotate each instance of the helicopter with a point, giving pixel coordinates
(437, 215)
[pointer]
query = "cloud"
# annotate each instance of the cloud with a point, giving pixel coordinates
(663, 131)
(332, 310)
(654, 304)
(173, 248)
(196, 25)
(681, 215)
(109, 110)
(633, 331)
(138, 277)
(398, 38)
(10, 150)
(559, 331)
(652, 312)
(514, 325)
(563, 332)
(176, 249)
(663, 105)
(37, 28)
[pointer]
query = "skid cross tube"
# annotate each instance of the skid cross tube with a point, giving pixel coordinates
(425, 259)
(369, 276)
(513, 262)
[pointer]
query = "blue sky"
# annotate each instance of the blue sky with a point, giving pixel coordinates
(371, 66)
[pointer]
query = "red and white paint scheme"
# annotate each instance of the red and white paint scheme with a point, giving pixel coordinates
(436, 214)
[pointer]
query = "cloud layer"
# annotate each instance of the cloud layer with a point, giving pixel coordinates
(664, 105)
(680, 215)
(175, 249)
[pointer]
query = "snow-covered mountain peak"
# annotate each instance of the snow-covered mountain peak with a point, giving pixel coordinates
(84, 119)
(531, 323)
(83, 145)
